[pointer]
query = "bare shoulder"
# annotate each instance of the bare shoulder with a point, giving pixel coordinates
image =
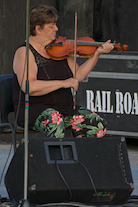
(20, 58)
(20, 66)
(21, 53)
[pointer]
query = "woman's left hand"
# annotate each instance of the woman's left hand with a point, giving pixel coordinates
(105, 48)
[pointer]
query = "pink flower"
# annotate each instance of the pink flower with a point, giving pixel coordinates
(95, 114)
(56, 118)
(76, 128)
(101, 133)
(79, 136)
(45, 122)
(77, 119)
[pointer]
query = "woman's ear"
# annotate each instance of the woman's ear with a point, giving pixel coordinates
(38, 29)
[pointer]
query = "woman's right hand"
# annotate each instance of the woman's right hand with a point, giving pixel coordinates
(71, 82)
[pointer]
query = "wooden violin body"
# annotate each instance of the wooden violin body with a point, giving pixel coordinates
(86, 47)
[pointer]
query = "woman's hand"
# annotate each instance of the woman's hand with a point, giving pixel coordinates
(105, 48)
(71, 82)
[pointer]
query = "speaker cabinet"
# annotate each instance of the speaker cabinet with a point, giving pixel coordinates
(88, 170)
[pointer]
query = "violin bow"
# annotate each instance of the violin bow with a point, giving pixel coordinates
(75, 51)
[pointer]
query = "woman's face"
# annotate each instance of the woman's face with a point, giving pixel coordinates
(48, 33)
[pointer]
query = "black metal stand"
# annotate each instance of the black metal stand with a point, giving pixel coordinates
(25, 201)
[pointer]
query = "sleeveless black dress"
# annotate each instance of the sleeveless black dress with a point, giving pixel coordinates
(61, 99)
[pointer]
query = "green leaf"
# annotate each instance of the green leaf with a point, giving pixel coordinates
(90, 116)
(94, 131)
(52, 125)
(97, 118)
(91, 127)
(84, 112)
(67, 118)
(61, 135)
(100, 126)
(53, 129)
(58, 131)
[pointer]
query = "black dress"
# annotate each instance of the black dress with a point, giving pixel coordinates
(61, 99)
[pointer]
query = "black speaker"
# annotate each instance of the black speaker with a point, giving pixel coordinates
(84, 170)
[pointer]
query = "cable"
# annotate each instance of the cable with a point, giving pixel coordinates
(90, 179)
(88, 175)
(5, 164)
(70, 193)
(9, 204)
(66, 204)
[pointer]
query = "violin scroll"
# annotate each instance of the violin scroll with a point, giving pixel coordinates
(120, 48)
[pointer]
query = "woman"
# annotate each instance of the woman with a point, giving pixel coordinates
(50, 82)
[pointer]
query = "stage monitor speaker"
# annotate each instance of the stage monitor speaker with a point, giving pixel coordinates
(84, 170)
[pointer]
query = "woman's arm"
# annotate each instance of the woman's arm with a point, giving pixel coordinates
(37, 87)
(83, 70)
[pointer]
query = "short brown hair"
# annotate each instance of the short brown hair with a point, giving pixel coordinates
(41, 15)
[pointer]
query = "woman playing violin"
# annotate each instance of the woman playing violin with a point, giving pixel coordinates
(50, 81)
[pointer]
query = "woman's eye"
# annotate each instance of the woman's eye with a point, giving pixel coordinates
(51, 26)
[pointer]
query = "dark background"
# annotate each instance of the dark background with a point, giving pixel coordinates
(99, 19)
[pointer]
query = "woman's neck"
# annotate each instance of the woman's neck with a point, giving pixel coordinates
(39, 46)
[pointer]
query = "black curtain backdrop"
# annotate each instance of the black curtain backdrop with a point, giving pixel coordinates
(99, 19)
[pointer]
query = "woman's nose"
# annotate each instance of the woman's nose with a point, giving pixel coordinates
(56, 28)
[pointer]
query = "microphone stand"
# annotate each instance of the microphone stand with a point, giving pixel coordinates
(25, 201)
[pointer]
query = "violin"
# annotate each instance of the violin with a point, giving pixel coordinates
(86, 47)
